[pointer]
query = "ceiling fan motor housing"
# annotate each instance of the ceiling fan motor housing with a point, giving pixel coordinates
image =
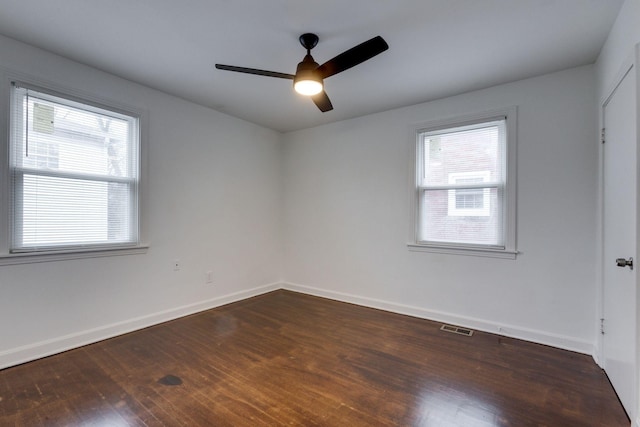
(307, 70)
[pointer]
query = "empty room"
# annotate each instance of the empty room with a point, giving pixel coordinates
(363, 213)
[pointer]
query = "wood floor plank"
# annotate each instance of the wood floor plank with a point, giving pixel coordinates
(291, 359)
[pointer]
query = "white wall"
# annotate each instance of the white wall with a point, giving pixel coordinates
(213, 200)
(347, 211)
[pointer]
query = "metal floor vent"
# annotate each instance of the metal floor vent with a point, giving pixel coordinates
(457, 330)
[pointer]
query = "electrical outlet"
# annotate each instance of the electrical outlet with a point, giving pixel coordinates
(176, 264)
(209, 277)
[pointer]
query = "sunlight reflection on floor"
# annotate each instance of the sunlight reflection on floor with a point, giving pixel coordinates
(455, 409)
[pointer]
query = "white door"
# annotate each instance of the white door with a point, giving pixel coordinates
(619, 240)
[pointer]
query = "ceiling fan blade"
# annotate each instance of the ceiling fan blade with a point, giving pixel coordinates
(354, 56)
(322, 101)
(255, 71)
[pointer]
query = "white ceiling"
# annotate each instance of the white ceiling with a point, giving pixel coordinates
(438, 48)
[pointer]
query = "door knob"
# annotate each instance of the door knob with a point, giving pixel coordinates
(621, 262)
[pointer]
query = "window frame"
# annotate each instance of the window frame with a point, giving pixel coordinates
(69, 252)
(507, 251)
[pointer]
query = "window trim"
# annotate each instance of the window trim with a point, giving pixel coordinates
(7, 78)
(509, 250)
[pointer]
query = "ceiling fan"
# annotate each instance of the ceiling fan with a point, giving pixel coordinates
(309, 76)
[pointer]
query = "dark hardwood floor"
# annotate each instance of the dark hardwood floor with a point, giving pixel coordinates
(290, 359)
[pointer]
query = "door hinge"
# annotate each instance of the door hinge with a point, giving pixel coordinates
(602, 134)
(602, 326)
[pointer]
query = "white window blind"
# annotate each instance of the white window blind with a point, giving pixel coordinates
(461, 185)
(74, 170)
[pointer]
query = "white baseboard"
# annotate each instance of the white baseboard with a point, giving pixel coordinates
(27, 353)
(540, 337)
(596, 357)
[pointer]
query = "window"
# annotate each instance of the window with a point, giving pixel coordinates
(74, 170)
(468, 201)
(464, 186)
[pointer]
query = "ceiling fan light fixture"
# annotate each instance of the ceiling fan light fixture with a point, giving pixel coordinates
(307, 81)
(308, 87)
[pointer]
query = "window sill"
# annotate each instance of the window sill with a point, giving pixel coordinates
(480, 252)
(34, 257)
